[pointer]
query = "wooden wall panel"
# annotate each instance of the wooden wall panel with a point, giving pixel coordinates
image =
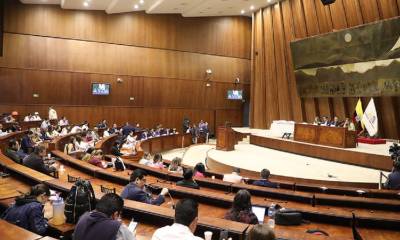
(226, 36)
(305, 18)
(283, 94)
(296, 103)
(271, 88)
(25, 51)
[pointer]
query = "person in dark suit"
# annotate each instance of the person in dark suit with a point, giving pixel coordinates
(35, 161)
(115, 149)
(188, 180)
(127, 129)
(12, 151)
(135, 190)
(393, 181)
(27, 143)
(335, 122)
(264, 182)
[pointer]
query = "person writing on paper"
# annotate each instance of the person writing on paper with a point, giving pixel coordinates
(27, 211)
(185, 223)
(104, 222)
(135, 190)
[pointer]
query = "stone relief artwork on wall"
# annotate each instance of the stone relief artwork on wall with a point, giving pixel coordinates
(355, 62)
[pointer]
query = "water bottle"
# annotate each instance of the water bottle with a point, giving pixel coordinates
(271, 216)
(271, 211)
(58, 211)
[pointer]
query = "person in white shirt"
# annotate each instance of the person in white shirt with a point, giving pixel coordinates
(63, 121)
(80, 145)
(28, 118)
(130, 141)
(76, 129)
(45, 124)
(106, 133)
(186, 216)
(52, 114)
(233, 177)
(146, 159)
(36, 117)
(2, 133)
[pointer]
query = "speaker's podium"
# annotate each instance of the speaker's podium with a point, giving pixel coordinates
(225, 138)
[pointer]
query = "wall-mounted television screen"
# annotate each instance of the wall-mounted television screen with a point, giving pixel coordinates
(100, 88)
(235, 94)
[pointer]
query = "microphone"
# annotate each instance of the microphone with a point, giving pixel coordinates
(172, 200)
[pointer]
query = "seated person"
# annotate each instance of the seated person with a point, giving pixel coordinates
(63, 122)
(76, 129)
(241, 209)
(80, 145)
(188, 180)
(144, 135)
(127, 129)
(28, 118)
(88, 154)
(146, 159)
(135, 190)
(115, 149)
(12, 151)
(324, 121)
(36, 117)
(27, 143)
(316, 121)
(69, 148)
(2, 131)
(233, 177)
(130, 141)
(64, 131)
(349, 125)
(157, 161)
(104, 222)
(106, 133)
(185, 223)
(97, 159)
(137, 127)
(335, 122)
(94, 134)
(175, 165)
(35, 161)
(51, 133)
(27, 211)
(261, 232)
(264, 182)
(102, 124)
(199, 170)
(45, 124)
(393, 181)
(9, 119)
(114, 129)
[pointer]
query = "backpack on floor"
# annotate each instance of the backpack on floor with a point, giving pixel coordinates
(119, 164)
(80, 199)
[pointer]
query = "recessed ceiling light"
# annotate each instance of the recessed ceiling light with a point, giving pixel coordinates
(242, 12)
(251, 7)
(136, 6)
(86, 4)
(141, 1)
(269, 1)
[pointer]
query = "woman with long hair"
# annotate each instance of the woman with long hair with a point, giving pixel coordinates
(241, 209)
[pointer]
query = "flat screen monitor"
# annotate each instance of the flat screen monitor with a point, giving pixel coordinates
(100, 88)
(259, 212)
(235, 94)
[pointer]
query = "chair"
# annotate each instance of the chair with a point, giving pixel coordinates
(106, 189)
(72, 179)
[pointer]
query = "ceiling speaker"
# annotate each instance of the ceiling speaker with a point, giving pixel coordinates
(327, 2)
